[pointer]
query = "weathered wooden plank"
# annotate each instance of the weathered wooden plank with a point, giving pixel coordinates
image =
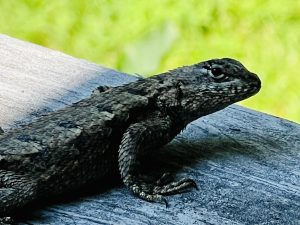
(247, 164)
(33, 80)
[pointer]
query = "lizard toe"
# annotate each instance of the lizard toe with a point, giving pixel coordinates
(175, 187)
(166, 178)
(153, 192)
(150, 197)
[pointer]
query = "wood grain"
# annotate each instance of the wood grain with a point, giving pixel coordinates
(246, 163)
(34, 80)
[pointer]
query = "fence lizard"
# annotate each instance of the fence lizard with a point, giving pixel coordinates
(111, 130)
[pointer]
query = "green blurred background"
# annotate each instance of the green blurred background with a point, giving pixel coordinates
(151, 36)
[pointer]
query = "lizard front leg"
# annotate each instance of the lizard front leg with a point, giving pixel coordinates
(142, 138)
(15, 191)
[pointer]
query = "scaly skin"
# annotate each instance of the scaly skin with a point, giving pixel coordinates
(109, 131)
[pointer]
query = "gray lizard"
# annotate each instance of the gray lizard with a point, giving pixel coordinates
(112, 129)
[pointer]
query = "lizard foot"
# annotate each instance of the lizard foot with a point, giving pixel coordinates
(154, 192)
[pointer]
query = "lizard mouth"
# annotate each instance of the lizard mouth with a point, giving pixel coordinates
(255, 82)
(255, 85)
(247, 90)
(250, 87)
(237, 90)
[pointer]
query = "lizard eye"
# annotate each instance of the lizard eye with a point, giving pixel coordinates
(217, 73)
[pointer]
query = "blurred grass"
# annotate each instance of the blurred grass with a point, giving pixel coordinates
(148, 37)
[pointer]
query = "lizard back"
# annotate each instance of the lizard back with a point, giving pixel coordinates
(85, 134)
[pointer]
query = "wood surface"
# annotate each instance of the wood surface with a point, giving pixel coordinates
(246, 163)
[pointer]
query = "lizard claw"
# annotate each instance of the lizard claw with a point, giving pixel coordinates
(194, 184)
(158, 198)
(154, 192)
(165, 201)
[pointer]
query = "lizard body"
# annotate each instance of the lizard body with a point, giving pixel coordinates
(109, 132)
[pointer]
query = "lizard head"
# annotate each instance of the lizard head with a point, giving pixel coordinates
(212, 85)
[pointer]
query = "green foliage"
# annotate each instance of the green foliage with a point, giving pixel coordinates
(148, 37)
